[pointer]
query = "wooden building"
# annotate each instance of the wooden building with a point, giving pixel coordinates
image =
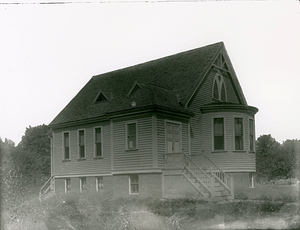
(174, 127)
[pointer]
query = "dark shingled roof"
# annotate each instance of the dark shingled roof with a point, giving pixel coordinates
(166, 82)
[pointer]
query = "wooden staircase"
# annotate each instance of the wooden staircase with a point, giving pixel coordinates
(203, 174)
(46, 189)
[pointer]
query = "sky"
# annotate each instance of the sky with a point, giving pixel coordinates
(48, 52)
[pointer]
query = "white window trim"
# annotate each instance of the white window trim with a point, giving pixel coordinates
(180, 134)
(84, 144)
(97, 183)
(129, 180)
(219, 87)
(63, 146)
(66, 189)
(243, 134)
(95, 156)
(126, 134)
(80, 183)
(252, 119)
(213, 136)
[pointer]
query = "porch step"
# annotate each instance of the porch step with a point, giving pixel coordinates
(196, 184)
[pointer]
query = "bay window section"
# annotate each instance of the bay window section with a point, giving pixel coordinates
(219, 134)
(251, 135)
(238, 133)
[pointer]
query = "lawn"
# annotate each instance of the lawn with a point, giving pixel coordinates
(266, 206)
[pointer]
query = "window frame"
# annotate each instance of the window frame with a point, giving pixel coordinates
(130, 184)
(127, 135)
(253, 136)
(78, 143)
(95, 143)
(64, 146)
(219, 87)
(213, 134)
(180, 134)
(67, 186)
(98, 187)
(243, 134)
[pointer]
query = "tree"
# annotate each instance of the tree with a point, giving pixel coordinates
(31, 158)
(275, 161)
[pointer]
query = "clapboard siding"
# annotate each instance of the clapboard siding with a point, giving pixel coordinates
(161, 146)
(231, 94)
(89, 165)
(234, 161)
(133, 159)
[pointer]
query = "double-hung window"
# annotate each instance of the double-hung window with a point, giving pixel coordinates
(251, 135)
(219, 134)
(66, 150)
(173, 137)
(131, 130)
(81, 143)
(238, 133)
(98, 142)
(134, 183)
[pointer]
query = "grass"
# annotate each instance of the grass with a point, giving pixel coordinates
(270, 192)
(266, 206)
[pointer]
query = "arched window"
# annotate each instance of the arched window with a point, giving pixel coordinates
(219, 89)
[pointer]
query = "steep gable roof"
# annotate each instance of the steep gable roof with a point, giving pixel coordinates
(173, 77)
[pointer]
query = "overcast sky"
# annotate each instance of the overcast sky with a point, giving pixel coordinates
(48, 52)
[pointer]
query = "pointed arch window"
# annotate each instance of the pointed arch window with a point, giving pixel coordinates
(219, 89)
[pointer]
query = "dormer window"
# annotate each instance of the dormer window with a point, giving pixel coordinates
(136, 86)
(100, 98)
(219, 89)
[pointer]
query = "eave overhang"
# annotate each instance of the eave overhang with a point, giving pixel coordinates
(134, 111)
(227, 107)
(153, 108)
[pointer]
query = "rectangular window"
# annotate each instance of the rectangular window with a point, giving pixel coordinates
(98, 142)
(219, 134)
(66, 146)
(173, 137)
(82, 184)
(131, 136)
(67, 185)
(134, 183)
(238, 132)
(81, 144)
(251, 135)
(99, 184)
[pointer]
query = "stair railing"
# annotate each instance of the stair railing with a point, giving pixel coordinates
(45, 188)
(200, 175)
(219, 174)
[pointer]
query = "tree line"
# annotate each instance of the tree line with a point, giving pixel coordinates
(25, 167)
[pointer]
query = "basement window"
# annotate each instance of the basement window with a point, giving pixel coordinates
(134, 184)
(99, 184)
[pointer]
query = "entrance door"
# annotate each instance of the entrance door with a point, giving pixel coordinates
(173, 138)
